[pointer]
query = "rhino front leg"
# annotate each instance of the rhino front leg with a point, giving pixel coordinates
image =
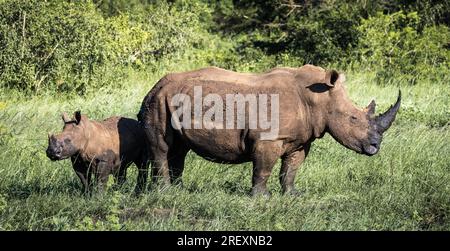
(82, 171)
(83, 175)
(102, 170)
(289, 167)
(265, 156)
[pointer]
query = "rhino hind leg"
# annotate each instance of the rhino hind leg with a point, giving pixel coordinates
(158, 145)
(289, 167)
(160, 163)
(160, 170)
(265, 156)
(176, 159)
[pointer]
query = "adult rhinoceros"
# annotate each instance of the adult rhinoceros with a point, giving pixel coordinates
(309, 103)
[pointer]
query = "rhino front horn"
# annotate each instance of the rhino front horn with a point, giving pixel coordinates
(384, 121)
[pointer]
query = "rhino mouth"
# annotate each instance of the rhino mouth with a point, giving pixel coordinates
(371, 149)
(55, 155)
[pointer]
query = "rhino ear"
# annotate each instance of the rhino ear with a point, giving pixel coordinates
(78, 116)
(64, 117)
(331, 77)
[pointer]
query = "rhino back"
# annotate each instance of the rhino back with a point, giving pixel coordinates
(228, 145)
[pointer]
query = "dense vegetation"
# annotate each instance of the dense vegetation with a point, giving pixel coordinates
(80, 46)
(102, 57)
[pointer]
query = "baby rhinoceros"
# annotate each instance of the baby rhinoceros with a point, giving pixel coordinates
(101, 148)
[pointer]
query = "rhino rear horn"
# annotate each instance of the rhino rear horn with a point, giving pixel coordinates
(371, 108)
(384, 121)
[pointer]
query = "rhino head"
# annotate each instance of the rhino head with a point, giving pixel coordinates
(358, 129)
(69, 142)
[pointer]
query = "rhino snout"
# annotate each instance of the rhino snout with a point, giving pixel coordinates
(371, 149)
(55, 149)
(373, 145)
(54, 153)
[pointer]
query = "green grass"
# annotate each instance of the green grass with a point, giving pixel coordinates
(405, 187)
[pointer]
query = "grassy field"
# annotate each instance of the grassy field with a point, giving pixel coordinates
(404, 187)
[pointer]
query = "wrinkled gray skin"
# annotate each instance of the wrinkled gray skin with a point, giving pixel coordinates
(312, 102)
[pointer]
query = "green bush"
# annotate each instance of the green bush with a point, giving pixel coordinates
(395, 47)
(320, 33)
(63, 46)
(176, 28)
(57, 45)
(81, 46)
(339, 33)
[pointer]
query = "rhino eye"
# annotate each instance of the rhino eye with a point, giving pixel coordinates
(353, 118)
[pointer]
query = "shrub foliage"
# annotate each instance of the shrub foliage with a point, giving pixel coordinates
(81, 46)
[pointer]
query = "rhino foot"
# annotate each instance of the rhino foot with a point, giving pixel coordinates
(292, 192)
(260, 192)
